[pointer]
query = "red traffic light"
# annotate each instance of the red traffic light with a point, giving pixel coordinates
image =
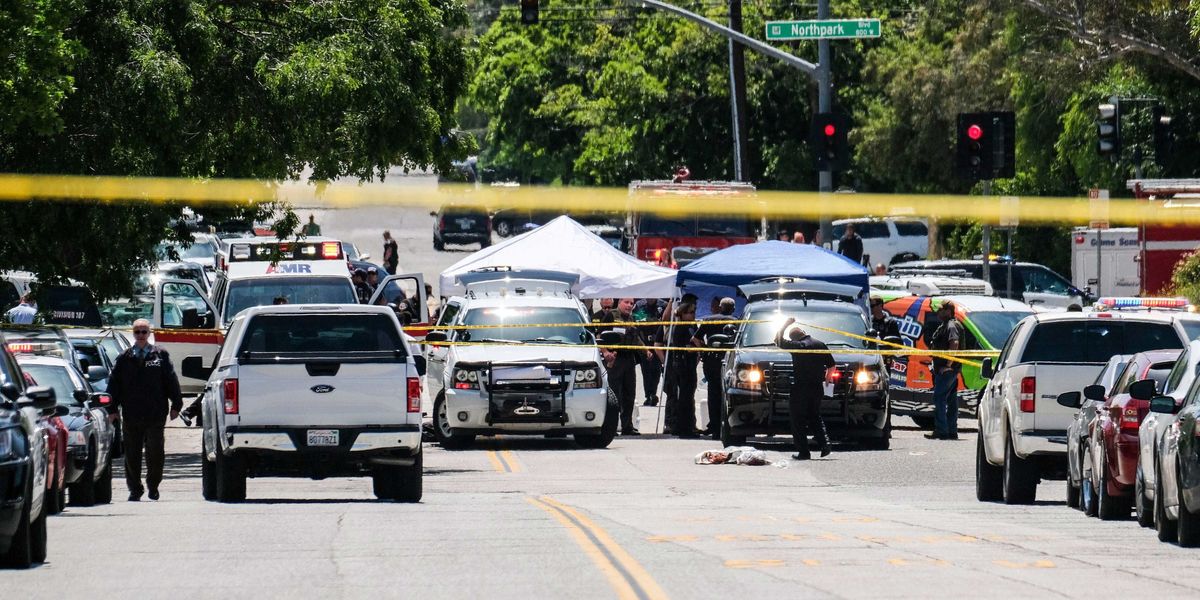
(830, 130)
(975, 132)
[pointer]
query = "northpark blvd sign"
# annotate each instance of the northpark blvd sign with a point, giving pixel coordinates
(816, 30)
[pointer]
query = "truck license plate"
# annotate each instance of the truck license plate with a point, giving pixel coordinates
(322, 437)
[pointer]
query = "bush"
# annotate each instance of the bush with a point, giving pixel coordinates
(1185, 280)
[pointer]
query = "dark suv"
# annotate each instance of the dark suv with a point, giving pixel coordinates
(461, 225)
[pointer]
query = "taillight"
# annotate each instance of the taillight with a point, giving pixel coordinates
(105, 399)
(1028, 395)
(330, 249)
(414, 395)
(833, 376)
(1129, 419)
(442, 224)
(230, 393)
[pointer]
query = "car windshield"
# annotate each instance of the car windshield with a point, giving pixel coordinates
(295, 334)
(995, 327)
(1191, 328)
(567, 332)
(57, 378)
(763, 334)
(653, 225)
(200, 252)
(248, 293)
(123, 312)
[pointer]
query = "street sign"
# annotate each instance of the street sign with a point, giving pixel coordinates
(829, 29)
(1098, 208)
(1010, 211)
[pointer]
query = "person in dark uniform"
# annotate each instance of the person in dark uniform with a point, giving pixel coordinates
(621, 363)
(361, 289)
(710, 362)
(144, 387)
(681, 366)
(851, 245)
(948, 336)
(808, 388)
(884, 324)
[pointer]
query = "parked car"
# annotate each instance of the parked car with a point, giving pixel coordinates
(512, 221)
(102, 347)
(1086, 403)
(24, 464)
(461, 225)
(90, 435)
(1113, 445)
(1155, 425)
(1032, 283)
(1177, 470)
(888, 240)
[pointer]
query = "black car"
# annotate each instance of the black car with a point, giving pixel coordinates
(23, 467)
(758, 374)
(1177, 485)
(461, 225)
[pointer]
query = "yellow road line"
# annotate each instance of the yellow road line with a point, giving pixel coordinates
(634, 577)
(510, 459)
(619, 584)
(495, 460)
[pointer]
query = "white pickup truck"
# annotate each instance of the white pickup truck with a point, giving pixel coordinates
(312, 391)
(1022, 427)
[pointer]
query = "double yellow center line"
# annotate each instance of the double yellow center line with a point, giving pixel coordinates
(504, 461)
(627, 578)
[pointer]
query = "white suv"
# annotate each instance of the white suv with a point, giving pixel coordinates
(502, 375)
(888, 241)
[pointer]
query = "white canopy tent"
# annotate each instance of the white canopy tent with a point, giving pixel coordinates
(565, 245)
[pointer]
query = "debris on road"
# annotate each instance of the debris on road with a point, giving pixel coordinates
(733, 455)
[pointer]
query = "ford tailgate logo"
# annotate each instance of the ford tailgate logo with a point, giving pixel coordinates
(322, 389)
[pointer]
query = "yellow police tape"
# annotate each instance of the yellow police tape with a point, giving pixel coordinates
(770, 204)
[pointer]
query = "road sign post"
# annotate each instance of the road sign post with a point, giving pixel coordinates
(824, 29)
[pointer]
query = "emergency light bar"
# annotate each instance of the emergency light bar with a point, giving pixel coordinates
(1118, 303)
(287, 251)
(28, 348)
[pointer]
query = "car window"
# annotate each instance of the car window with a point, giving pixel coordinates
(1007, 349)
(911, 228)
(1141, 337)
(9, 372)
(1177, 372)
(872, 229)
(1191, 328)
(89, 352)
(996, 326)
(1128, 375)
(1109, 374)
(1158, 373)
(248, 293)
(1042, 281)
(59, 379)
(763, 332)
(1096, 340)
(316, 334)
(448, 313)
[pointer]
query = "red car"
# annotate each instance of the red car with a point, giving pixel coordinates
(56, 456)
(1114, 445)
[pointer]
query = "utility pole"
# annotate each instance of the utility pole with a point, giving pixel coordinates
(737, 94)
(824, 105)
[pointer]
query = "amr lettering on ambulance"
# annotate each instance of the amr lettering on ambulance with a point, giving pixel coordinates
(987, 321)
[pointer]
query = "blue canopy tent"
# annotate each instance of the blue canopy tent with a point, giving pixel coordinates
(720, 273)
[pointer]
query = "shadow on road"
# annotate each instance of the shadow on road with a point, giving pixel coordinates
(314, 501)
(175, 466)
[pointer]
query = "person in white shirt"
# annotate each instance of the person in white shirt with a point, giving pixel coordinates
(23, 313)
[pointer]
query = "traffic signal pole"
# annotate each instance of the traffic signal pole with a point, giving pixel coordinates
(737, 94)
(824, 105)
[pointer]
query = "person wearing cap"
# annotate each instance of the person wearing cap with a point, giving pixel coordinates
(372, 278)
(360, 286)
(710, 361)
(809, 369)
(884, 324)
(947, 337)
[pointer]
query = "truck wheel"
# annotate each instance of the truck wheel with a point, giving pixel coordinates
(989, 479)
(231, 479)
(608, 430)
(37, 538)
(1141, 504)
(1072, 494)
(503, 228)
(53, 501)
(438, 245)
(728, 438)
(208, 475)
(20, 549)
(402, 484)
(923, 422)
(1188, 525)
(1110, 508)
(485, 242)
(883, 442)
(441, 428)
(104, 484)
(83, 491)
(1166, 528)
(1020, 477)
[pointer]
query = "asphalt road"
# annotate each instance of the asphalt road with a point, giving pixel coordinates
(541, 518)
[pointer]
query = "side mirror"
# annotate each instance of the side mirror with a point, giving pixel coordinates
(611, 338)
(1070, 400)
(720, 341)
(1163, 405)
(364, 256)
(986, 371)
(193, 367)
(1095, 392)
(191, 319)
(1143, 390)
(210, 321)
(435, 336)
(894, 339)
(10, 391)
(61, 411)
(81, 396)
(419, 360)
(96, 373)
(41, 397)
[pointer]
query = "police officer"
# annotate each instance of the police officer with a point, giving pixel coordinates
(808, 388)
(884, 324)
(621, 363)
(649, 309)
(143, 385)
(361, 289)
(681, 366)
(710, 362)
(947, 337)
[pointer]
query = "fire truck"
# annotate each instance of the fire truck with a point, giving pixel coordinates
(1164, 245)
(675, 241)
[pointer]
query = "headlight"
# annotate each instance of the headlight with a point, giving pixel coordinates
(587, 378)
(76, 438)
(867, 379)
(465, 379)
(10, 442)
(748, 377)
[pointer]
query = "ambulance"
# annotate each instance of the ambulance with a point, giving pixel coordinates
(256, 272)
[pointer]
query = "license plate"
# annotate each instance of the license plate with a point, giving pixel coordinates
(322, 437)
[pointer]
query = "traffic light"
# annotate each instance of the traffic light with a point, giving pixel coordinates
(1164, 138)
(828, 137)
(986, 147)
(1108, 128)
(529, 12)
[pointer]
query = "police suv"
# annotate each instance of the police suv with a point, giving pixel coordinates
(255, 272)
(312, 391)
(504, 375)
